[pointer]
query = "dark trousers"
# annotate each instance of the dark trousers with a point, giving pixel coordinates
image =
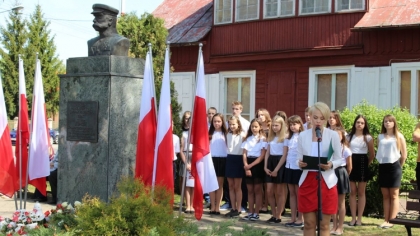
(53, 184)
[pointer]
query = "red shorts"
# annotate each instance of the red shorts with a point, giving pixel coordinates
(308, 196)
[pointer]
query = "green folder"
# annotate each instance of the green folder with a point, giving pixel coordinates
(330, 151)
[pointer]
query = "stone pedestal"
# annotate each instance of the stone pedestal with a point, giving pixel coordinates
(94, 168)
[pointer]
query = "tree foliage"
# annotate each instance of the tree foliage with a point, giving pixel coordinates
(144, 30)
(13, 39)
(27, 38)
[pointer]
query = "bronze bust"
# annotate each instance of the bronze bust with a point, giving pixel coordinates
(109, 42)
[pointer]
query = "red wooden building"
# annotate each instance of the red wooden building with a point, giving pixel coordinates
(288, 54)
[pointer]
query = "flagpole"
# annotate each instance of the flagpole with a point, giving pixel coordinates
(189, 131)
(153, 78)
(20, 148)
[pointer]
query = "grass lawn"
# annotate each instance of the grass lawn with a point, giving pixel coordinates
(370, 226)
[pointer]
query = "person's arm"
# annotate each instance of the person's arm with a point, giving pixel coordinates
(403, 149)
(416, 133)
(259, 159)
(371, 152)
(267, 171)
(300, 150)
(337, 156)
(349, 165)
(182, 155)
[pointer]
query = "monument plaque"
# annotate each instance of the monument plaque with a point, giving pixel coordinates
(82, 121)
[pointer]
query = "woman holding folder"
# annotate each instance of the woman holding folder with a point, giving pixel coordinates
(330, 153)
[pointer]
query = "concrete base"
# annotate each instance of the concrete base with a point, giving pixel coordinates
(95, 168)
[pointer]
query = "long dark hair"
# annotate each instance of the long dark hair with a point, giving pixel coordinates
(337, 118)
(365, 129)
(249, 133)
(212, 129)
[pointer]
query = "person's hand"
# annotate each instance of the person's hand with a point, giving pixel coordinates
(302, 164)
(274, 173)
(248, 173)
(247, 167)
(267, 171)
(189, 166)
(327, 166)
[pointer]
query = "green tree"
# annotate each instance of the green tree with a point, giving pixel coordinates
(13, 39)
(40, 41)
(144, 30)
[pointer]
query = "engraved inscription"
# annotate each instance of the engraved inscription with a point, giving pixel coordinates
(82, 121)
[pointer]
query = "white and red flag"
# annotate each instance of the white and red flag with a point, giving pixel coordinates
(146, 136)
(39, 148)
(163, 168)
(22, 133)
(201, 165)
(8, 176)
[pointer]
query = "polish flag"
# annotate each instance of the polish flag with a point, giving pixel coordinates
(22, 134)
(8, 177)
(39, 148)
(202, 167)
(162, 171)
(146, 135)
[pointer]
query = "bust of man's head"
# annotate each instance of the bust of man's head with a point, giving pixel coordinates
(105, 17)
(108, 42)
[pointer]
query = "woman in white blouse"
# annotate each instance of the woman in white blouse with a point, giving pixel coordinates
(391, 155)
(308, 183)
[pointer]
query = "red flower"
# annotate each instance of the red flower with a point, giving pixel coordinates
(26, 213)
(21, 231)
(59, 206)
(15, 218)
(47, 213)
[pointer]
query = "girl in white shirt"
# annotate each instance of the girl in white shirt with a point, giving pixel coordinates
(363, 153)
(276, 187)
(234, 165)
(293, 172)
(343, 184)
(391, 155)
(254, 148)
(218, 150)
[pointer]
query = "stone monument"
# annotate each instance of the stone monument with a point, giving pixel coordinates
(99, 112)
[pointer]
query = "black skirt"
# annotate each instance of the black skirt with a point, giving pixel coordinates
(343, 183)
(272, 163)
(390, 175)
(219, 166)
(292, 176)
(234, 166)
(360, 168)
(257, 171)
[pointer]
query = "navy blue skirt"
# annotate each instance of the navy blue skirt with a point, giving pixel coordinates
(234, 166)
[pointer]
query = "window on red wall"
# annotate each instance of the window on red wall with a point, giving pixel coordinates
(349, 5)
(314, 6)
(222, 11)
(279, 8)
(247, 10)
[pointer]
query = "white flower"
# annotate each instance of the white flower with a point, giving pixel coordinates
(77, 203)
(59, 211)
(64, 204)
(70, 207)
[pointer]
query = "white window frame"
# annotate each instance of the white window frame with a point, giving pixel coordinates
(223, 92)
(314, 13)
(313, 85)
(350, 10)
(215, 13)
(248, 19)
(278, 10)
(396, 69)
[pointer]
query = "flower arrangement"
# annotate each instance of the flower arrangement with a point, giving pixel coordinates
(23, 221)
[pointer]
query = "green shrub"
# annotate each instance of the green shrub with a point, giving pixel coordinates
(133, 212)
(406, 124)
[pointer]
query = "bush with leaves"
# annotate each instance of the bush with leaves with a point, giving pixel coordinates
(406, 124)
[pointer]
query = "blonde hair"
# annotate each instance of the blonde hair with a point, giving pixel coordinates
(394, 130)
(266, 115)
(322, 107)
(237, 103)
(281, 135)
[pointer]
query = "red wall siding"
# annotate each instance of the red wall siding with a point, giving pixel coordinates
(286, 34)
